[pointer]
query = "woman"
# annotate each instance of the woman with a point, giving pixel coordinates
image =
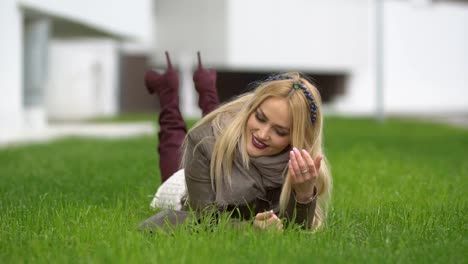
(260, 153)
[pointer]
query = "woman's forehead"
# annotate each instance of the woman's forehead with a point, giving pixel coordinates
(277, 111)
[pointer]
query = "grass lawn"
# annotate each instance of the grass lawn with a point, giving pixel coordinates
(400, 195)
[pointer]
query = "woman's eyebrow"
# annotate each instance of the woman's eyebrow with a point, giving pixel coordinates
(266, 118)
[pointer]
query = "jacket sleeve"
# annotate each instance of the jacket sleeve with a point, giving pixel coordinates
(301, 213)
(197, 175)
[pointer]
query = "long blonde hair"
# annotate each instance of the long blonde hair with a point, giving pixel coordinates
(303, 135)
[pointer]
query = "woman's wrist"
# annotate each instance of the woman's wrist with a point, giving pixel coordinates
(305, 198)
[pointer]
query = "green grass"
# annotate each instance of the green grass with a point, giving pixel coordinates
(400, 195)
(123, 118)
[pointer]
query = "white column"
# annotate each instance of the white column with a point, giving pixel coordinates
(379, 56)
(10, 68)
(36, 43)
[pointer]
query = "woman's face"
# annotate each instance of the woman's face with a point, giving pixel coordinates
(268, 128)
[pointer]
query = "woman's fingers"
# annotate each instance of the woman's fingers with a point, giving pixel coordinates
(274, 221)
(310, 162)
(266, 220)
(303, 171)
(302, 165)
(292, 173)
(294, 164)
(264, 216)
(318, 162)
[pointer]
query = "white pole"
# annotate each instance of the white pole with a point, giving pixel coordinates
(379, 57)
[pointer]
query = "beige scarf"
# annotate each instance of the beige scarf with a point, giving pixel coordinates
(264, 173)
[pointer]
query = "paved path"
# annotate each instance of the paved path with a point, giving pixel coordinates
(460, 121)
(54, 131)
(123, 130)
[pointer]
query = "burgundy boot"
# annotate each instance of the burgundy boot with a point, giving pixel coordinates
(172, 128)
(205, 84)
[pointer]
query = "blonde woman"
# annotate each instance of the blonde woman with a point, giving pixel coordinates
(259, 156)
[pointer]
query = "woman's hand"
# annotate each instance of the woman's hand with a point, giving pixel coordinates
(304, 172)
(267, 220)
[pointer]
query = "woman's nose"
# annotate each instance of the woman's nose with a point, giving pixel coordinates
(263, 133)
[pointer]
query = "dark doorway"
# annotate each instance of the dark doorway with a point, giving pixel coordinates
(134, 98)
(232, 83)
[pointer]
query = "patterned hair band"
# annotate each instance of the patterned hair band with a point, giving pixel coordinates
(296, 86)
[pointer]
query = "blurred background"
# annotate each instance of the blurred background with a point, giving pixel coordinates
(65, 61)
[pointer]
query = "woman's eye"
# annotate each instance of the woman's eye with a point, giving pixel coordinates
(281, 134)
(259, 118)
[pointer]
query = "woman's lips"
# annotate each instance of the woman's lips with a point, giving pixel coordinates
(257, 143)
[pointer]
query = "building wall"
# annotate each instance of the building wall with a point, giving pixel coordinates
(424, 46)
(425, 54)
(131, 18)
(11, 97)
(134, 96)
(332, 36)
(426, 57)
(184, 27)
(325, 35)
(83, 79)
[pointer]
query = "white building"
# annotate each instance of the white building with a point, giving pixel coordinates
(425, 54)
(60, 58)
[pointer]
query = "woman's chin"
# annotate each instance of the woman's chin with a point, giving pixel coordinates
(255, 152)
(252, 151)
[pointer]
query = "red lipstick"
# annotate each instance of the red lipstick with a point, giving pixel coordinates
(257, 143)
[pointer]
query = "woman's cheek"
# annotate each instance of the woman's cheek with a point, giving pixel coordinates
(283, 142)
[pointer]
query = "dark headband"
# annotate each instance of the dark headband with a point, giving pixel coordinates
(296, 86)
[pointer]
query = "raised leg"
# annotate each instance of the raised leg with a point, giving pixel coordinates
(205, 84)
(172, 129)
